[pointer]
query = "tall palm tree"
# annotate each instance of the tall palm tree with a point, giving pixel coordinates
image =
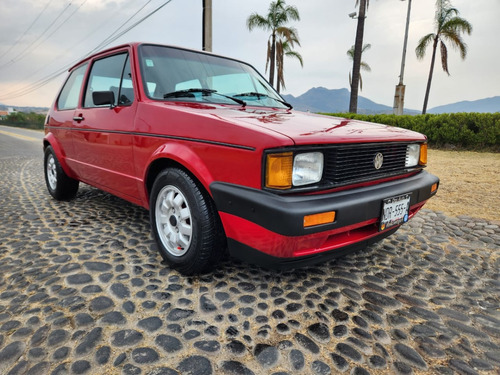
(284, 48)
(449, 27)
(363, 65)
(279, 15)
(358, 47)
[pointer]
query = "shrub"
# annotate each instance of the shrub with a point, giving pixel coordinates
(24, 120)
(470, 131)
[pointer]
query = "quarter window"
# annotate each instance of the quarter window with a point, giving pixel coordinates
(111, 74)
(68, 99)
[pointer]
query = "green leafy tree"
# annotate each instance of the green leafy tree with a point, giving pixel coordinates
(358, 48)
(275, 21)
(284, 48)
(449, 28)
(363, 65)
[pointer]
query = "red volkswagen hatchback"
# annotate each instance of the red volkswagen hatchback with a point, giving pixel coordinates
(221, 161)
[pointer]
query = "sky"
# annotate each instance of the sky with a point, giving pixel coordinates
(40, 38)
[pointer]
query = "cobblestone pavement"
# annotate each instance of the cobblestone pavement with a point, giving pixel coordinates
(83, 291)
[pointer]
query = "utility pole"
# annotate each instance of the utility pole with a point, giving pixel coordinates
(399, 96)
(207, 25)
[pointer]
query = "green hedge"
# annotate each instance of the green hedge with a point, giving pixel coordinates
(24, 120)
(469, 131)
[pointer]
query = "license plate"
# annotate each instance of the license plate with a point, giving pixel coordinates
(395, 211)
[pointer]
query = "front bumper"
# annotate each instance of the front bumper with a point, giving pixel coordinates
(273, 224)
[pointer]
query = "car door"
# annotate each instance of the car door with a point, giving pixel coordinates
(102, 135)
(60, 121)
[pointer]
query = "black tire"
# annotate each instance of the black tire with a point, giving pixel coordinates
(59, 185)
(185, 223)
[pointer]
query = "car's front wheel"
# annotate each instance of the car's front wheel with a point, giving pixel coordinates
(185, 223)
(59, 184)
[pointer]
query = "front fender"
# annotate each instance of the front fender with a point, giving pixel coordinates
(181, 155)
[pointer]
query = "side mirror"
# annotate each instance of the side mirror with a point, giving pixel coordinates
(103, 98)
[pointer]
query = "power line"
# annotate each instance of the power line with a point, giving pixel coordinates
(73, 46)
(47, 79)
(60, 25)
(26, 31)
(23, 52)
(102, 44)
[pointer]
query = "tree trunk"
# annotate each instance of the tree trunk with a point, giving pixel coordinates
(273, 58)
(431, 71)
(358, 47)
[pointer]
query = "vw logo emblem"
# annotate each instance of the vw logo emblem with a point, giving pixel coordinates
(378, 160)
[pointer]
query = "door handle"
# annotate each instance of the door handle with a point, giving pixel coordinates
(78, 118)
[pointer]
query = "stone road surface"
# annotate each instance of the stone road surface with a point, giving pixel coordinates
(83, 291)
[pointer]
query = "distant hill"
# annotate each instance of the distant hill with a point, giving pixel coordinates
(320, 99)
(488, 105)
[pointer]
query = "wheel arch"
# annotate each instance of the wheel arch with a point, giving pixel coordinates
(182, 158)
(50, 140)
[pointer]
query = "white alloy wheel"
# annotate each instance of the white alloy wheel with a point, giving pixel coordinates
(51, 172)
(173, 220)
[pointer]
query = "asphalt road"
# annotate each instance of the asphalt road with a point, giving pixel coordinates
(20, 143)
(83, 291)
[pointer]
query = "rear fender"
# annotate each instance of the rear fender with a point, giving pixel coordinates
(50, 140)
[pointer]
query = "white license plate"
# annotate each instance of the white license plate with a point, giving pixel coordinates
(395, 211)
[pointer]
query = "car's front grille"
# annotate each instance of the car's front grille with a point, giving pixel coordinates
(354, 163)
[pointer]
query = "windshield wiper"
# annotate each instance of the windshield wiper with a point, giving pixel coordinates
(190, 92)
(259, 95)
(186, 93)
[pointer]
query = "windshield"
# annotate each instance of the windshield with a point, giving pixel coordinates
(181, 75)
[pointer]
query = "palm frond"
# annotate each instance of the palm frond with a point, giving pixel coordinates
(365, 67)
(456, 42)
(423, 43)
(257, 21)
(290, 34)
(268, 58)
(457, 25)
(295, 55)
(444, 58)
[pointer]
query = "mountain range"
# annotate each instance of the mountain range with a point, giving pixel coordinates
(320, 99)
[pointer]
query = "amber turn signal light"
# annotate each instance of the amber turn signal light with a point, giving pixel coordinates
(423, 155)
(279, 170)
(319, 219)
(434, 188)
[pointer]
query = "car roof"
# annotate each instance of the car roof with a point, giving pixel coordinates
(136, 44)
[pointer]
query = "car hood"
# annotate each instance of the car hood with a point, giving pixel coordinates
(308, 128)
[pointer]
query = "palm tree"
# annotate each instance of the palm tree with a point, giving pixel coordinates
(449, 28)
(279, 15)
(358, 47)
(363, 65)
(284, 48)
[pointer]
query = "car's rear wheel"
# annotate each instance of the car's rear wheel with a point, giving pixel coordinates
(185, 223)
(59, 185)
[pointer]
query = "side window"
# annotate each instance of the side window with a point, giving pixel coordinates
(111, 74)
(68, 99)
(126, 95)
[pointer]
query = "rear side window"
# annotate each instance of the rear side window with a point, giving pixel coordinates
(111, 74)
(68, 99)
